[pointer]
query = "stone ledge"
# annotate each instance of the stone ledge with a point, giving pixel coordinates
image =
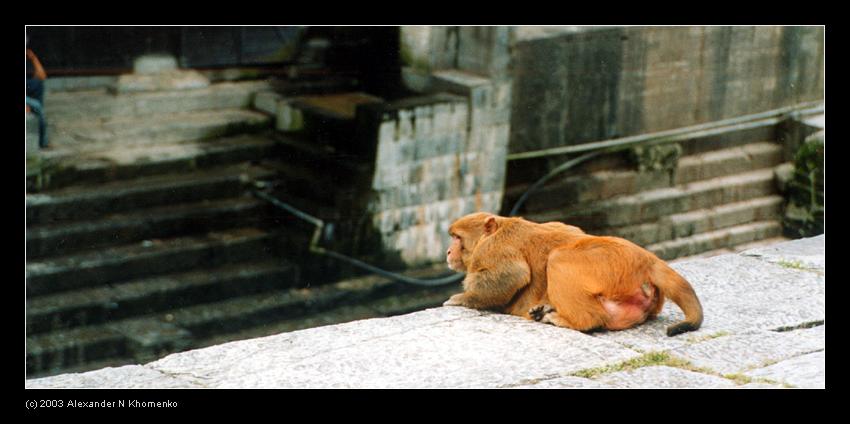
(763, 329)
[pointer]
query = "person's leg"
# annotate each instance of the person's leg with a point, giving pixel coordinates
(36, 107)
(35, 89)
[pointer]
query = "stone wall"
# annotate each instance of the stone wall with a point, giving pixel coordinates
(442, 155)
(438, 158)
(576, 85)
(423, 175)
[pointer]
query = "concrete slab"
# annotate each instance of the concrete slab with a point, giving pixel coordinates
(744, 352)
(806, 371)
(802, 254)
(740, 294)
(129, 377)
(563, 383)
(662, 377)
(441, 347)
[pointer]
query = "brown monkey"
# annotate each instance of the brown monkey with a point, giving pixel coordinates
(555, 273)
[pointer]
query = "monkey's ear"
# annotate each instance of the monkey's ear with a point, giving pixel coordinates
(490, 225)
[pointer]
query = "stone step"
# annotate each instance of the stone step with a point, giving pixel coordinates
(88, 202)
(167, 221)
(147, 258)
(55, 352)
(289, 310)
(95, 134)
(113, 362)
(336, 106)
(760, 243)
(719, 163)
(150, 336)
(525, 172)
(384, 307)
(733, 137)
(700, 221)
(102, 304)
(587, 187)
(323, 187)
(62, 107)
(651, 205)
(119, 162)
(715, 240)
(330, 119)
(733, 249)
(297, 148)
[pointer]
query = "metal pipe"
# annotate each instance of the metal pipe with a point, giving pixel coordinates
(679, 134)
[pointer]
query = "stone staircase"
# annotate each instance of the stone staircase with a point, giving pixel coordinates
(721, 197)
(143, 237)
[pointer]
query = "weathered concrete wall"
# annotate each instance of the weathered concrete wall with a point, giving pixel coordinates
(423, 176)
(442, 156)
(574, 85)
(439, 158)
(763, 328)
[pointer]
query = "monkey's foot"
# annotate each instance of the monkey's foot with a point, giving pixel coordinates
(539, 312)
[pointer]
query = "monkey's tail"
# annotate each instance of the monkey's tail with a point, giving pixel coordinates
(679, 290)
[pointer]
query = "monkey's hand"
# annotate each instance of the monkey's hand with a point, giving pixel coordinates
(456, 300)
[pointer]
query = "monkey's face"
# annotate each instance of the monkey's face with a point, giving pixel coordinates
(466, 232)
(454, 257)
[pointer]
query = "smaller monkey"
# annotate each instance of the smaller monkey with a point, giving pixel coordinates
(555, 273)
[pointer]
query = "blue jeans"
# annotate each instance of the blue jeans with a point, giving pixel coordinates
(35, 89)
(36, 107)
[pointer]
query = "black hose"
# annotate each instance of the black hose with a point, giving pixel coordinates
(561, 168)
(315, 248)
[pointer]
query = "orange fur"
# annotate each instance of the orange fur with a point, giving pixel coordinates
(555, 273)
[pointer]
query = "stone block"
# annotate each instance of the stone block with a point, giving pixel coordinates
(154, 64)
(415, 79)
(642, 234)
(31, 134)
(147, 339)
(162, 81)
(429, 160)
(457, 82)
(663, 377)
(288, 118)
(484, 50)
(416, 46)
(738, 293)
(401, 352)
(267, 101)
(56, 84)
(562, 383)
(806, 371)
(803, 253)
(126, 377)
(744, 352)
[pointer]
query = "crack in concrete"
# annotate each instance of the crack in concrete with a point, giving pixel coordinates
(794, 264)
(805, 325)
(180, 376)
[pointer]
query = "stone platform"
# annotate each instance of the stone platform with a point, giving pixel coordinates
(764, 328)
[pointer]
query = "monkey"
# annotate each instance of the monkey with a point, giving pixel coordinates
(557, 274)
